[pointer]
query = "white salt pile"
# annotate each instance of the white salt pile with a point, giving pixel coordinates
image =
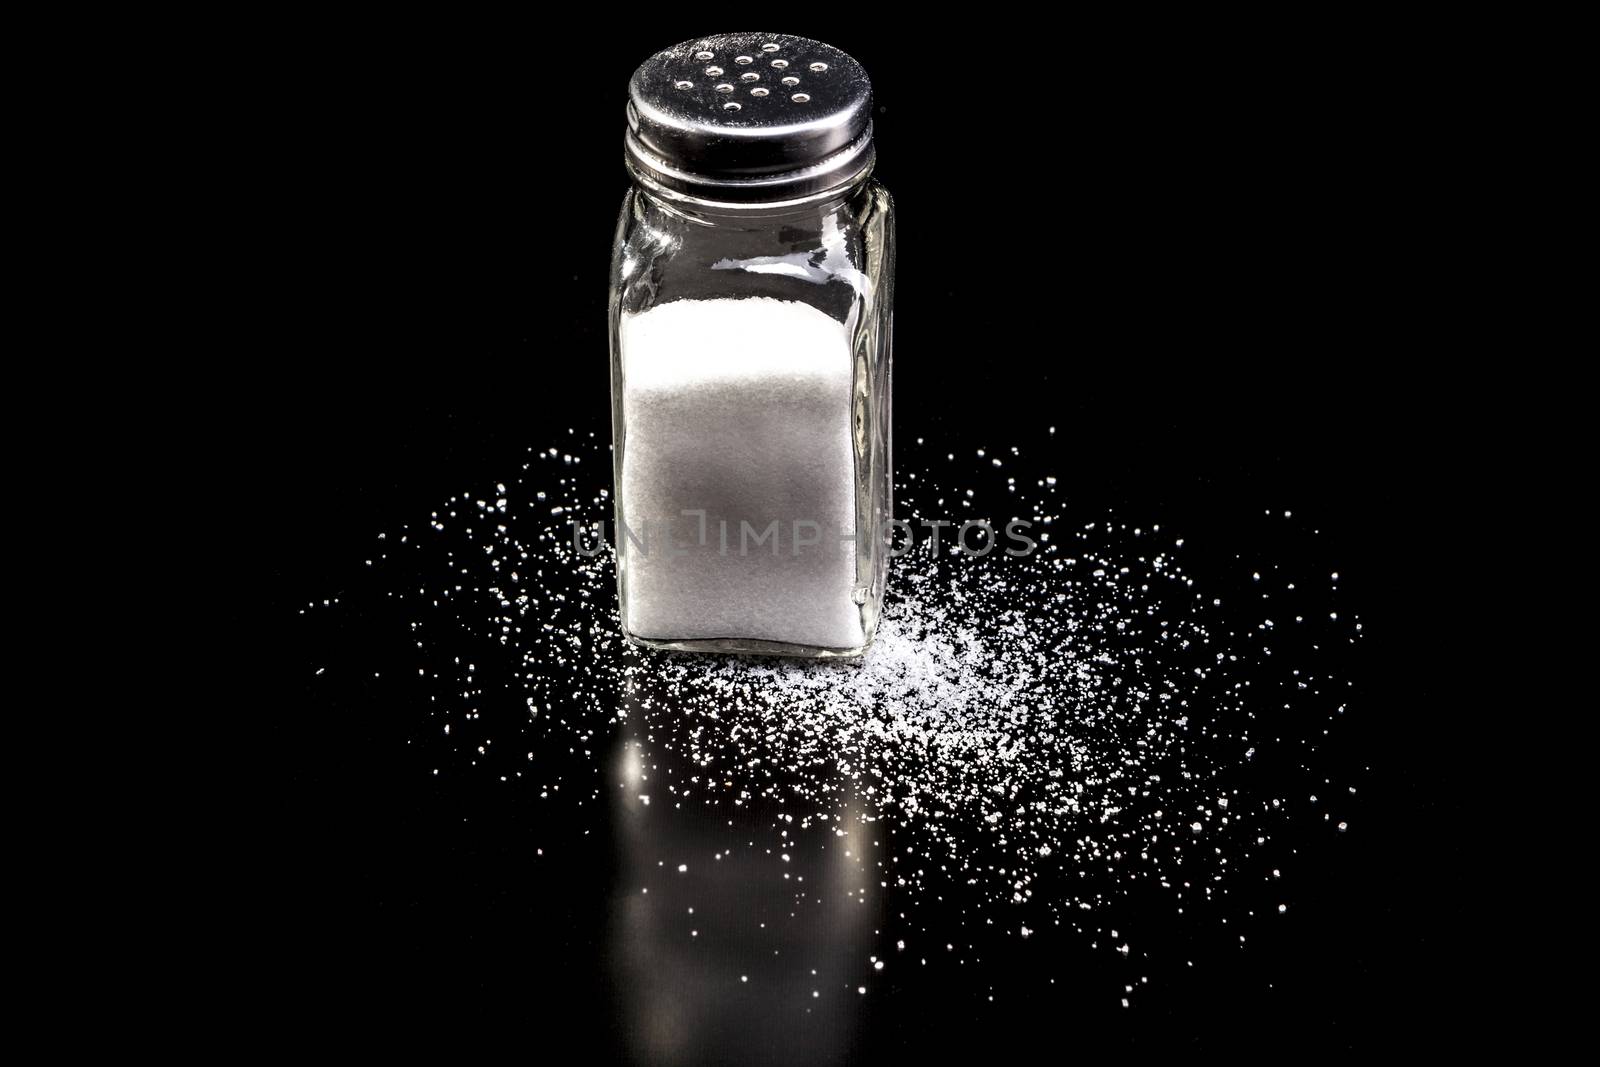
(1067, 743)
(738, 416)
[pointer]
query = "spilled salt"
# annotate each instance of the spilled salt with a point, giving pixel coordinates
(1043, 743)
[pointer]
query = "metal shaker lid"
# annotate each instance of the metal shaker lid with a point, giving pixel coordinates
(745, 117)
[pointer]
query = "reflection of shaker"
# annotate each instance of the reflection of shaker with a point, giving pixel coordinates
(731, 942)
(750, 337)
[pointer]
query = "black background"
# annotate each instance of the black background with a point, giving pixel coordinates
(1201, 259)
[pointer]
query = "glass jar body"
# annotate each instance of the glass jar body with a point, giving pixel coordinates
(750, 364)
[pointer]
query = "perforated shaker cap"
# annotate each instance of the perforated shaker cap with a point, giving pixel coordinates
(743, 117)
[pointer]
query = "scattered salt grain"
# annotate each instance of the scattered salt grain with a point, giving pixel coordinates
(1048, 726)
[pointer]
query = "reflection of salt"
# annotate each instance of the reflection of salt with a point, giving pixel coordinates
(740, 410)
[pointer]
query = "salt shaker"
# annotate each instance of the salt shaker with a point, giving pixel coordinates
(750, 315)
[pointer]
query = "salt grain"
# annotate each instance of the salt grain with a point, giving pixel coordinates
(1053, 728)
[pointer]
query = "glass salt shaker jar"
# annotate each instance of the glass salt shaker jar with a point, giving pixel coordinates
(751, 307)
